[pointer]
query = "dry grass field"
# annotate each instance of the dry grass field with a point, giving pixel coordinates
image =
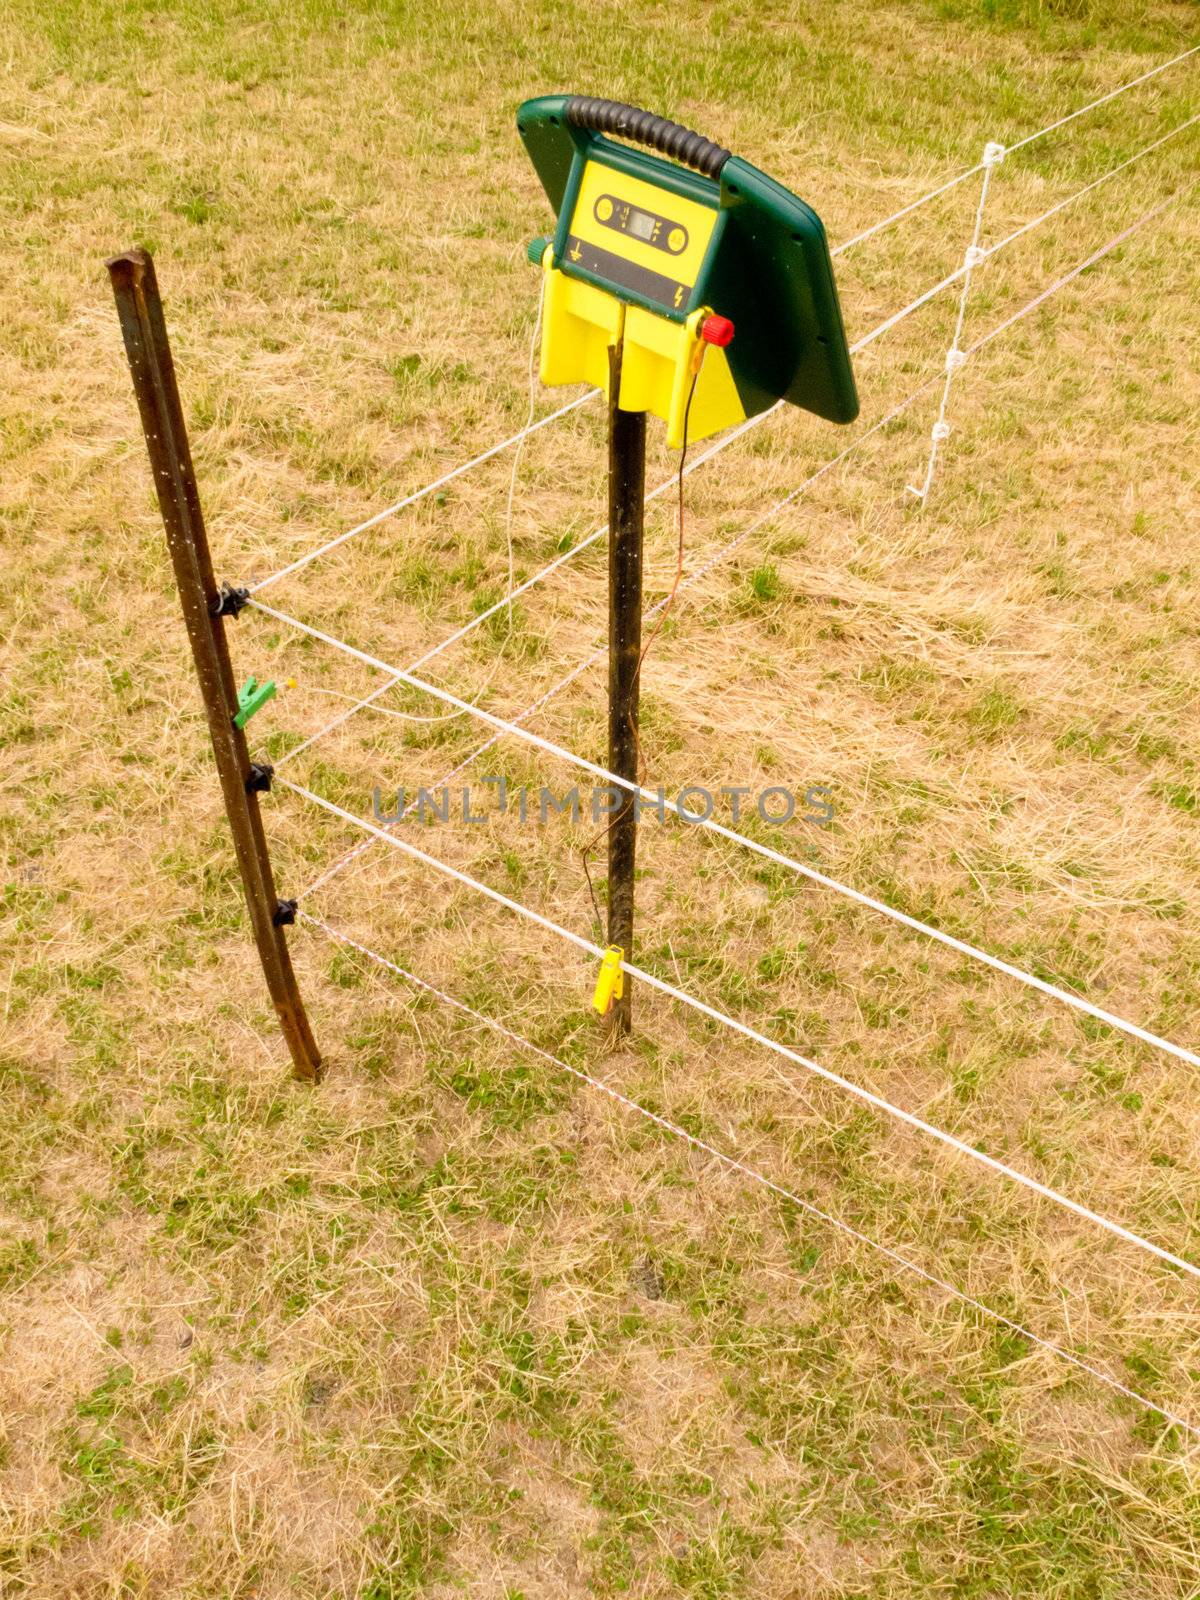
(452, 1323)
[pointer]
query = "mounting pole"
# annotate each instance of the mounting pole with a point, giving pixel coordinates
(140, 311)
(626, 504)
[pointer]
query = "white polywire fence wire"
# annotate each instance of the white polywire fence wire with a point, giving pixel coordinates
(601, 650)
(656, 798)
(906, 211)
(1030, 138)
(743, 1168)
(722, 443)
(1104, 99)
(973, 952)
(1105, 177)
(509, 593)
(653, 981)
(953, 277)
(847, 244)
(993, 154)
(421, 494)
(1080, 267)
(480, 617)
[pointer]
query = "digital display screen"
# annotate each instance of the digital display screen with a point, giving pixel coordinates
(636, 222)
(640, 224)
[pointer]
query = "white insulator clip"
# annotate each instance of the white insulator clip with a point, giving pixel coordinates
(993, 154)
(975, 254)
(955, 358)
(940, 432)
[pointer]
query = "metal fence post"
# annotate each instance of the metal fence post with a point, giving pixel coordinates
(139, 308)
(626, 517)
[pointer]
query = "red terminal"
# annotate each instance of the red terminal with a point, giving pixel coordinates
(717, 330)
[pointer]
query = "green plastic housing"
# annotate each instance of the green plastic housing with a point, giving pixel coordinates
(767, 267)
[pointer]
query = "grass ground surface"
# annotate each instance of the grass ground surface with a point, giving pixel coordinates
(452, 1323)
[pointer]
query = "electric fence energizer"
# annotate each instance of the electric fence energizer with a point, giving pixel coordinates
(694, 288)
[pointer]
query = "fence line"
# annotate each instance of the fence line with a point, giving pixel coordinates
(744, 1169)
(1146, 150)
(847, 244)
(953, 277)
(659, 800)
(680, 995)
(468, 627)
(513, 728)
(420, 494)
(601, 651)
(481, 617)
(1104, 99)
(341, 863)
(905, 211)
(1080, 267)
(992, 156)
(1030, 138)
(653, 981)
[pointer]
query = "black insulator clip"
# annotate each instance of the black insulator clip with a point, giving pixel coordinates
(258, 779)
(285, 913)
(228, 601)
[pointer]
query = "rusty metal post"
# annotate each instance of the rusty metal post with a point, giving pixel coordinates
(626, 502)
(140, 311)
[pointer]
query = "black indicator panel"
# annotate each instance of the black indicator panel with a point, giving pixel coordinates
(650, 228)
(626, 274)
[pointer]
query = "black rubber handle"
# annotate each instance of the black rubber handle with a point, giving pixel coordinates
(643, 127)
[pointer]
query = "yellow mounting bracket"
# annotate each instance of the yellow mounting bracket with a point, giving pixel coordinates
(610, 984)
(658, 361)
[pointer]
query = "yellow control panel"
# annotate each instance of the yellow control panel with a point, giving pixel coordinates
(630, 237)
(638, 236)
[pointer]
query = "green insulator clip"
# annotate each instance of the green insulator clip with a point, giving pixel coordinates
(252, 696)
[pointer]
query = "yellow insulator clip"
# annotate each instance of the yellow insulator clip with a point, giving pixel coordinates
(610, 984)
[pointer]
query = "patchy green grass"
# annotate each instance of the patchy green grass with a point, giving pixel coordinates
(453, 1323)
